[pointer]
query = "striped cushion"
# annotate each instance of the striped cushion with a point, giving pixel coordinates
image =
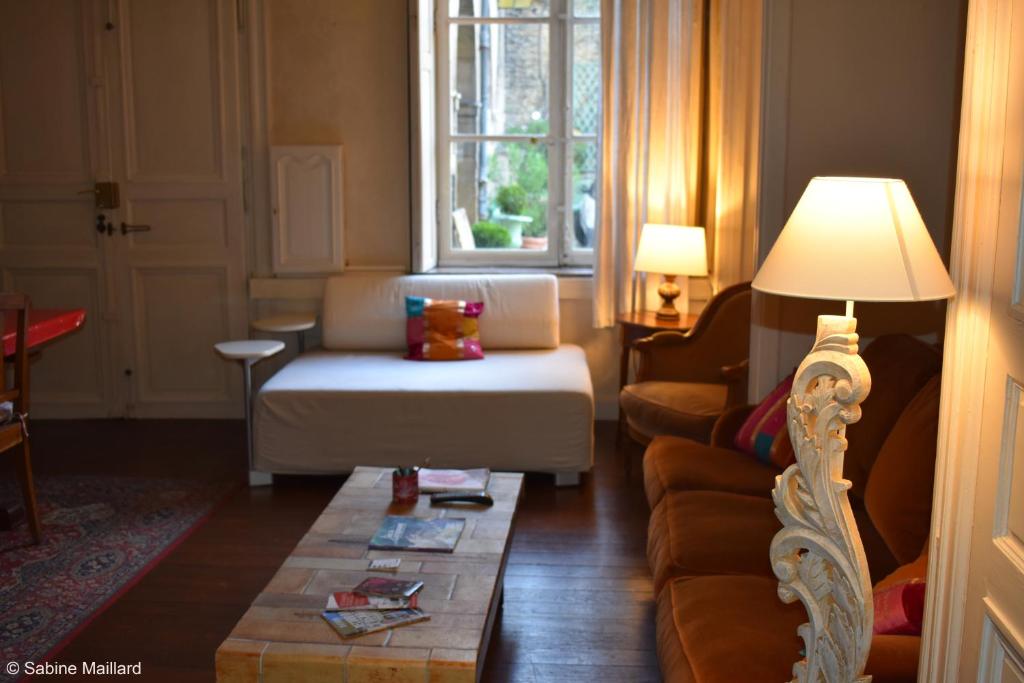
(439, 329)
(764, 435)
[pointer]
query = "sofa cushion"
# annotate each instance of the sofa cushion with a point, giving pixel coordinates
(899, 490)
(682, 464)
(438, 329)
(326, 412)
(707, 532)
(899, 365)
(673, 408)
(763, 434)
(366, 311)
(724, 629)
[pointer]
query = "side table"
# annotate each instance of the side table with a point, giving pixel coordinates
(250, 352)
(288, 322)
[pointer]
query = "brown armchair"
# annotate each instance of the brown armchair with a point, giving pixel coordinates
(685, 381)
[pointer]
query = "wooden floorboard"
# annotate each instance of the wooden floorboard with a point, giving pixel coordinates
(578, 602)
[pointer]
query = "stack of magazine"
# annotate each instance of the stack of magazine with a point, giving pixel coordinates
(375, 604)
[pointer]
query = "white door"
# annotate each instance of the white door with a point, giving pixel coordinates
(52, 150)
(172, 70)
(993, 642)
(143, 93)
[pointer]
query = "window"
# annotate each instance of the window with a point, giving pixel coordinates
(517, 107)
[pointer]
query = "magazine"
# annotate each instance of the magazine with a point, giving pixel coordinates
(352, 624)
(347, 601)
(438, 481)
(388, 588)
(413, 533)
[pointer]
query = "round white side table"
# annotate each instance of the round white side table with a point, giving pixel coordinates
(288, 322)
(249, 352)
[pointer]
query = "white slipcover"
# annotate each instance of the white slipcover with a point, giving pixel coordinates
(366, 311)
(528, 405)
(327, 412)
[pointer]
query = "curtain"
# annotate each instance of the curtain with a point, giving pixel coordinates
(672, 70)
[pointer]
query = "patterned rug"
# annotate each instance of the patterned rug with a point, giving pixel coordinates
(100, 536)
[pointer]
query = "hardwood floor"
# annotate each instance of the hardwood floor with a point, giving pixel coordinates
(578, 602)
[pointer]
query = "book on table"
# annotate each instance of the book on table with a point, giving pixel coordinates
(439, 481)
(352, 624)
(347, 601)
(379, 586)
(413, 533)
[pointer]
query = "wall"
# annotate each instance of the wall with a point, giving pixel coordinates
(855, 88)
(338, 73)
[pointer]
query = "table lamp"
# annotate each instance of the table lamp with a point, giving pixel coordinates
(671, 250)
(847, 239)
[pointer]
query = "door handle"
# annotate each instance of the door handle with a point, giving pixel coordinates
(102, 226)
(128, 227)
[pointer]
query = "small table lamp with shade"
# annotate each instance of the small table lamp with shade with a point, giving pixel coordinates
(847, 239)
(671, 250)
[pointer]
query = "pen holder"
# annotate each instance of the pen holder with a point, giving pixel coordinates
(405, 486)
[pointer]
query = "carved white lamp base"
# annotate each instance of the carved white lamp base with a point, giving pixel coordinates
(818, 556)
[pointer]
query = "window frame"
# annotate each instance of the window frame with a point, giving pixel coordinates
(560, 142)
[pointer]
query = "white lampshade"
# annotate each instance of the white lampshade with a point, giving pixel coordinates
(672, 250)
(858, 239)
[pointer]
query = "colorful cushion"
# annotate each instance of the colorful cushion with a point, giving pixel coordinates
(439, 329)
(764, 434)
(899, 608)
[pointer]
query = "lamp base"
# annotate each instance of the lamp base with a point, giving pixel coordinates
(668, 291)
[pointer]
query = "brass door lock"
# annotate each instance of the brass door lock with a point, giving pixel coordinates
(107, 195)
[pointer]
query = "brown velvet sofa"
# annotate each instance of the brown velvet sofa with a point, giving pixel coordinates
(719, 618)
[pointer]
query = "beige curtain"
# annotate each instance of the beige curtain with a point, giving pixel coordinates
(672, 69)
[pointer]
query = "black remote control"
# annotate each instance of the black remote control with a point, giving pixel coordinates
(477, 497)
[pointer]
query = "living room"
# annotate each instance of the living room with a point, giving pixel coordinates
(279, 276)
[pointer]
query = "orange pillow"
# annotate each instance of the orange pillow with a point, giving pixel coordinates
(438, 329)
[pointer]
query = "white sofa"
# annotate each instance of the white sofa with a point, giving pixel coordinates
(528, 405)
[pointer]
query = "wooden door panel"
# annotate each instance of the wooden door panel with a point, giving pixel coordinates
(186, 222)
(182, 313)
(45, 130)
(178, 147)
(49, 248)
(171, 71)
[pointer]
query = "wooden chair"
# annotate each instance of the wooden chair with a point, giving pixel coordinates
(14, 435)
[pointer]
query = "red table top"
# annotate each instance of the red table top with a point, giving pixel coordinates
(44, 324)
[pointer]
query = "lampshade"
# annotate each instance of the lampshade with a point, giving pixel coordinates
(859, 239)
(672, 249)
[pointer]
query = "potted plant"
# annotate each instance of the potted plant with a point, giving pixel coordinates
(511, 201)
(489, 235)
(535, 236)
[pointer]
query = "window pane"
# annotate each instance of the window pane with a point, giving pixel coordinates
(586, 78)
(587, 8)
(499, 8)
(584, 194)
(499, 78)
(499, 195)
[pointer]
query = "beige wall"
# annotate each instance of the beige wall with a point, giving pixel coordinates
(871, 88)
(338, 74)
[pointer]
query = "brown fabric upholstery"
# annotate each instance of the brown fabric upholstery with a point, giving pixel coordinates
(899, 365)
(723, 434)
(899, 490)
(719, 338)
(677, 408)
(683, 464)
(727, 629)
(691, 533)
(918, 569)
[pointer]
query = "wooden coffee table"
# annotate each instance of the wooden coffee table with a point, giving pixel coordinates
(283, 638)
